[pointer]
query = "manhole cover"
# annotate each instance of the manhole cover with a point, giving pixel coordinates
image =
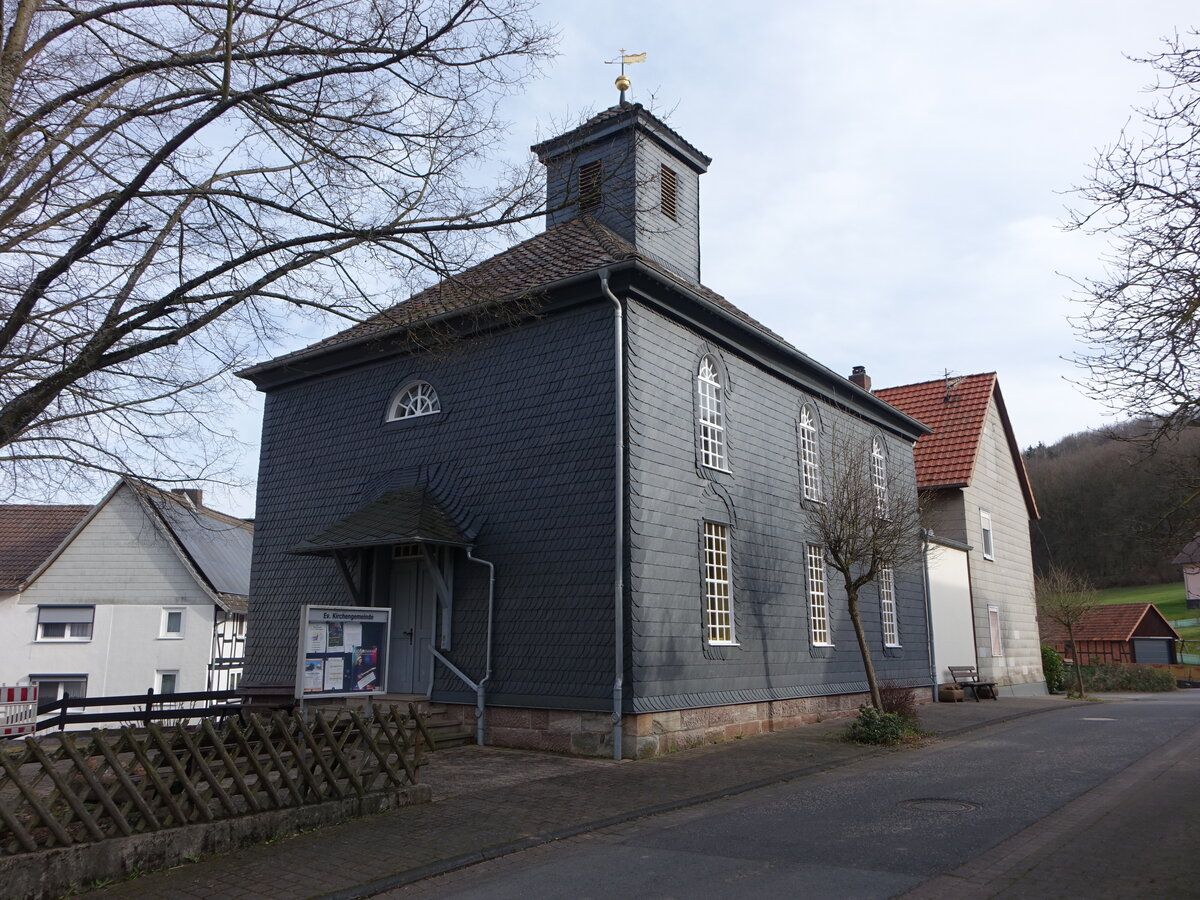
(940, 804)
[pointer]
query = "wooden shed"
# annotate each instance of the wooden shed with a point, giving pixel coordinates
(1119, 633)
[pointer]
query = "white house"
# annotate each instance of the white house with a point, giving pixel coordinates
(146, 589)
(980, 504)
(1189, 558)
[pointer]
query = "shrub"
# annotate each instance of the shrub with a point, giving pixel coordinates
(1128, 678)
(1052, 666)
(899, 700)
(871, 726)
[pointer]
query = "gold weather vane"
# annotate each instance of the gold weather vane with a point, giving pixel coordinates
(625, 59)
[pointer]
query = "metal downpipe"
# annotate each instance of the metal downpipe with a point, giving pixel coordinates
(933, 681)
(619, 604)
(487, 673)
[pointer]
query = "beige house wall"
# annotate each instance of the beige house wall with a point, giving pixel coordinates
(1004, 582)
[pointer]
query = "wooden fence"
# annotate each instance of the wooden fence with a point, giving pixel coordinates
(141, 708)
(72, 788)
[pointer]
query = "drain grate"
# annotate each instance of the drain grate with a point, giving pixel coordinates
(940, 804)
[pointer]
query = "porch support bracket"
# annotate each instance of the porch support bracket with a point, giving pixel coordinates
(344, 569)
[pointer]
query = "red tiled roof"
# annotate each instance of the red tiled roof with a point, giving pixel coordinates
(574, 247)
(1116, 622)
(29, 534)
(956, 410)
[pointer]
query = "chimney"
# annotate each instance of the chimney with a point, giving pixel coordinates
(860, 377)
(194, 496)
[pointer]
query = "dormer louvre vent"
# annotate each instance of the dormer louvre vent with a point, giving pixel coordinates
(590, 176)
(669, 183)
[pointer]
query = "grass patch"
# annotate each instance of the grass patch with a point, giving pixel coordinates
(1171, 599)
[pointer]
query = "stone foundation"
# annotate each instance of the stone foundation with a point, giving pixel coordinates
(653, 734)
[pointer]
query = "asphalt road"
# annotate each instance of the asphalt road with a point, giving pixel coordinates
(1082, 802)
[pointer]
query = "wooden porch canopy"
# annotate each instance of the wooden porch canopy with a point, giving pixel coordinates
(407, 516)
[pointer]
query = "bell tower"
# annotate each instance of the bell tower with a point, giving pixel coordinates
(634, 174)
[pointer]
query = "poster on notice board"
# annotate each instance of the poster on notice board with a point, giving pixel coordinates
(343, 651)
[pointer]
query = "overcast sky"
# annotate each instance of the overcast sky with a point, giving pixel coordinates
(888, 179)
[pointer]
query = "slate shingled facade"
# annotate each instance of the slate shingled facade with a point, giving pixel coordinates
(525, 352)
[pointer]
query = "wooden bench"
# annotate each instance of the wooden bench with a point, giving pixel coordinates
(968, 677)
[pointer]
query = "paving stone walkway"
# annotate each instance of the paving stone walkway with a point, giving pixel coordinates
(492, 801)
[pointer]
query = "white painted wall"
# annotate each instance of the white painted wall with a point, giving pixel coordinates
(1191, 580)
(950, 604)
(121, 564)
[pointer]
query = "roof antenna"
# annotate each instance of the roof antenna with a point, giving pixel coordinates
(951, 384)
(624, 59)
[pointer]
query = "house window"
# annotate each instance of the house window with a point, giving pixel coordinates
(810, 472)
(590, 177)
(239, 625)
(994, 628)
(65, 623)
(167, 681)
(879, 476)
(56, 687)
(985, 527)
(172, 623)
(718, 599)
(418, 398)
(712, 417)
(818, 608)
(887, 608)
(669, 184)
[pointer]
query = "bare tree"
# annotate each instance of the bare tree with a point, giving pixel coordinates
(868, 523)
(179, 180)
(1066, 598)
(1142, 321)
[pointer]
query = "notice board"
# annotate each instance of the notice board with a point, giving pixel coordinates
(343, 651)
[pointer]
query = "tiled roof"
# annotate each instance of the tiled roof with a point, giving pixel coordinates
(575, 247)
(29, 534)
(1190, 553)
(1115, 622)
(956, 410)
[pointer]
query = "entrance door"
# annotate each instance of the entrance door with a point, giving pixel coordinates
(413, 605)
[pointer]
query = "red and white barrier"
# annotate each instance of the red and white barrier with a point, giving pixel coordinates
(18, 710)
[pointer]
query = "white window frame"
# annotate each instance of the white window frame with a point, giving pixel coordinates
(58, 681)
(711, 414)
(75, 629)
(718, 586)
(887, 607)
(810, 457)
(997, 636)
(158, 681)
(418, 398)
(987, 535)
(818, 597)
(165, 634)
(879, 476)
